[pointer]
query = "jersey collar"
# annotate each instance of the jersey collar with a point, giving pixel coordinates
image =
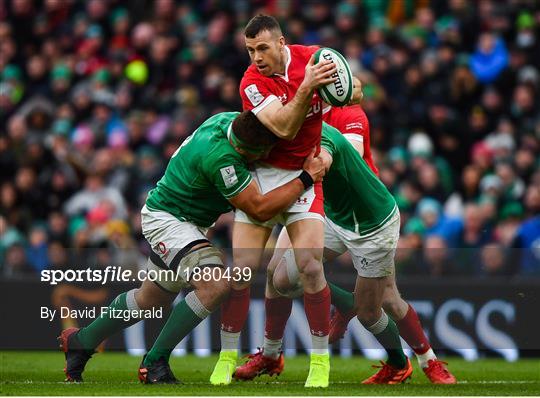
(286, 75)
(229, 129)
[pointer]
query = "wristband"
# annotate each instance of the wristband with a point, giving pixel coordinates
(306, 179)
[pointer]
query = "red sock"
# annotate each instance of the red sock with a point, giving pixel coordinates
(234, 310)
(317, 307)
(411, 330)
(278, 311)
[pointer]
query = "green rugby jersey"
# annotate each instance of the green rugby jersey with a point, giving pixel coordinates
(202, 174)
(354, 198)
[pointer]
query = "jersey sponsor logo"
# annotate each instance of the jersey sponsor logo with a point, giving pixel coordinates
(356, 125)
(283, 98)
(229, 176)
(253, 94)
(302, 201)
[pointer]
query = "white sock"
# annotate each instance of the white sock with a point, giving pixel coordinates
(229, 340)
(196, 306)
(425, 357)
(319, 344)
(131, 303)
(380, 325)
(272, 348)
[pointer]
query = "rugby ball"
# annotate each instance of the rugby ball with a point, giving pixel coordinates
(340, 92)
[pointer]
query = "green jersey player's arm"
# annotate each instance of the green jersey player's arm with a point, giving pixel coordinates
(263, 207)
(358, 145)
(233, 180)
(328, 147)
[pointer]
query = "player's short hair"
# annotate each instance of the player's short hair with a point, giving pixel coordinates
(260, 23)
(249, 130)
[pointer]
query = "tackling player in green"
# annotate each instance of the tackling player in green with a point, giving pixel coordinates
(207, 176)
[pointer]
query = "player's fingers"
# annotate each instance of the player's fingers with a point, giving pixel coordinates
(326, 75)
(324, 67)
(327, 80)
(311, 61)
(329, 70)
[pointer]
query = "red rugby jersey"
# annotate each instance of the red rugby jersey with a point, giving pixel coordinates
(257, 91)
(352, 120)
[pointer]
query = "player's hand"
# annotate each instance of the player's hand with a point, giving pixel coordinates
(320, 74)
(357, 94)
(314, 166)
(326, 158)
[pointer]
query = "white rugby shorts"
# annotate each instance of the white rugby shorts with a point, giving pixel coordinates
(309, 205)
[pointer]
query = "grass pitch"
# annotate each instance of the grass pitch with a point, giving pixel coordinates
(40, 373)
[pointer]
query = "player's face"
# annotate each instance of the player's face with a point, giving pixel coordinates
(266, 52)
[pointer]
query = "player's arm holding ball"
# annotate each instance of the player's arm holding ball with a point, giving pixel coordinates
(286, 120)
(261, 86)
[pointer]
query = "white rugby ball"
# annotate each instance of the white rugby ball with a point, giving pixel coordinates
(340, 92)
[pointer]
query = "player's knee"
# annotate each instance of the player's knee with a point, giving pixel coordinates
(222, 289)
(244, 281)
(368, 316)
(310, 267)
(396, 307)
(272, 265)
(270, 274)
(280, 282)
(212, 293)
(146, 300)
(287, 288)
(391, 307)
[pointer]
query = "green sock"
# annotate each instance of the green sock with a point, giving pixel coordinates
(386, 332)
(183, 319)
(341, 298)
(105, 326)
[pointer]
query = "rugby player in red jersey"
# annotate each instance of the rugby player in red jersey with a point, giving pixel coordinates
(279, 87)
(353, 123)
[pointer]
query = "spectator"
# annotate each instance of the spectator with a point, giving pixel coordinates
(94, 99)
(430, 214)
(526, 244)
(437, 261)
(493, 260)
(36, 252)
(490, 58)
(15, 262)
(94, 193)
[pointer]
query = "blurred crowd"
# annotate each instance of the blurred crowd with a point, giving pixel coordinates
(96, 95)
